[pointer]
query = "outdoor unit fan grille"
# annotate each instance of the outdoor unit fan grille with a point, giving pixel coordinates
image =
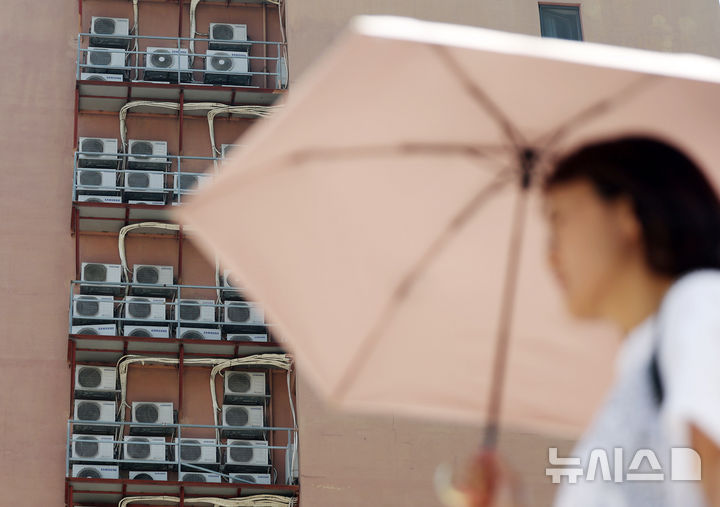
(142, 333)
(239, 382)
(221, 62)
(188, 181)
(244, 478)
(91, 178)
(223, 32)
(146, 413)
(88, 411)
(238, 313)
(100, 58)
(138, 180)
(190, 311)
(89, 377)
(92, 145)
(141, 148)
(162, 59)
(190, 450)
(237, 416)
(143, 477)
(87, 330)
(89, 473)
(95, 272)
(104, 26)
(138, 448)
(194, 478)
(96, 78)
(87, 306)
(192, 335)
(147, 274)
(241, 454)
(86, 447)
(94, 199)
(140, 308)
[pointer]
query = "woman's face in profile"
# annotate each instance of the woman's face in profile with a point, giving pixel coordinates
(592, 244)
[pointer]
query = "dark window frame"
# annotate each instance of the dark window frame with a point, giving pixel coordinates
(563, 6)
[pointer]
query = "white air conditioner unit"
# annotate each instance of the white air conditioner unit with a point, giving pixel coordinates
(93, 447)
(230, 290)
(109, 32)
(95, 382)
(87, 309)
(251, 478)
(110, 274)
(96, 181)
(137, 475)
(95, 412)
(97, 152)
(105, 61)
(144, 185)
(244, 386)
(147, 331)
(261, 338)
(189, 183)
(226, 149)
(94, 76)
(96, 471)
(194, 311)
(144, 154)
(243, 314)
(144, 448)
(227, 68)
(239, 417)
(247, 453)
(150, 276)
(138, 308)
(105, 199)
(197, 333)
(291, 464)
(95, 329)
(197, 450)
(198, 477)
(164, 64)
(229, 37)
(282, 77)
(150, 412)
(152, 203)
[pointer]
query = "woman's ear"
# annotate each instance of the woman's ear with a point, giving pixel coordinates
(627, 220)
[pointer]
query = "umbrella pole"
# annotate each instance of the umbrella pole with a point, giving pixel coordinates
(528, 159)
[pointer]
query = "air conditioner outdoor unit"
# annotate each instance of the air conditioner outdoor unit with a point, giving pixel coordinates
(164, 64)
(105, 61)
(94, 76)
(239, 314)
(251, 478)
(244, 386)
(96, 181)
(282, 77)
(95, 412)
(230, 291)
(152, 413)
(197, 450)
(226, 149)
(153, 203)
(239, 337)
(144, 185)
(153, 278)
(198, 477)
(227, 37)
(291, 464)
(92, 447)
(97, 329)
(242, 421)
(93, 309)
(95, 382)
(247, 453)
(147, 331)
(144, 309)
(137, 475)
(197, 333)
(96, 471)
(194, 312)
(189, 183)
(227, 68)
(110, 32)
(110, 274)
(105, 199)
(150, 155)
(144, 449)
(97, 152)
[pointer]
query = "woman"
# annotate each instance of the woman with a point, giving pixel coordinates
(635, 240)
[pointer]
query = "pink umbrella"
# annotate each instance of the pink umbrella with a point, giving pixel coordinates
(387, 220)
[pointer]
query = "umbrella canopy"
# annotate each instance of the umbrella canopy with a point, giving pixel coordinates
(386, 217)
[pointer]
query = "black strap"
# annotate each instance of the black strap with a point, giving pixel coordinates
(655, 378)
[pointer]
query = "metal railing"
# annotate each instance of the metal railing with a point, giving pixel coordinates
(172, 456)
(234, 67)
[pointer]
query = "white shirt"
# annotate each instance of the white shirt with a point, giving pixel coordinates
(686, 332)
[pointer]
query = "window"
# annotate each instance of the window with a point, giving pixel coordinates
(560, 21)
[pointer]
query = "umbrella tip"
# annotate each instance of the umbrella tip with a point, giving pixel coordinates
(528, 161)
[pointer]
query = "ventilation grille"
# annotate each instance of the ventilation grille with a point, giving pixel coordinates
(138, 448)
(241, 454)
(88, 411)
(89, 473)
(100, 57)
(139, 308)
(244, 478)
(237, 416)
(238, 313)
(138, 180)
(239, 382)
(223, 32)
(89, 377)
(87, 306)
(187, 181)
(192, 335)
(86, 447)
(146, 413)
(91, 178)
(190, 450)
(87, 330)
(140, 332)
(104, 26)
(194, 478)
(141, 148)
(221, 62)
(147, 274)
(162, 59)
(92, 145)
(143, 477)
(95, 272)
(190, 310)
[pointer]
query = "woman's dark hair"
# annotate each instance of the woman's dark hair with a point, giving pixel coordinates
(676, 205)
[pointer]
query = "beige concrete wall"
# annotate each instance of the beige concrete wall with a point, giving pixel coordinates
(663, 25)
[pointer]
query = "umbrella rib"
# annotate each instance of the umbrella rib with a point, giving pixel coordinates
(511, 132)
(406, 284)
